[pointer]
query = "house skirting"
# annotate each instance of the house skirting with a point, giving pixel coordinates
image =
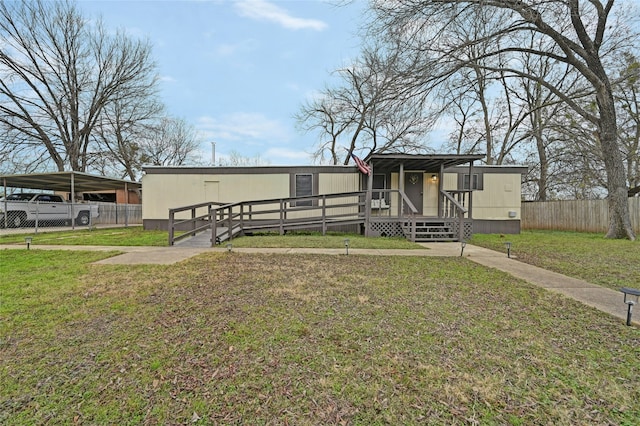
(486, 226)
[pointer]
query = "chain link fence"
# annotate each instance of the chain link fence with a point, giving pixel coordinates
(51, 214)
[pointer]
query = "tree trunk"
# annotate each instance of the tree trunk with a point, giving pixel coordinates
(544, 166)
(619, 217)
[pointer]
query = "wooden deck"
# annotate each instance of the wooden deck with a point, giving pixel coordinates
(321, 213)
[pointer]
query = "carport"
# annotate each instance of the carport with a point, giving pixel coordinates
(71, 182)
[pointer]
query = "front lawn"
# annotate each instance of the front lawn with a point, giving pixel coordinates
(125, 236)
(231, 338)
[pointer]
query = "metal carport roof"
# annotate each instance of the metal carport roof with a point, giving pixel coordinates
(65, 182)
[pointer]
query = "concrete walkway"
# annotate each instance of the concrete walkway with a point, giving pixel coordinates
(604, 299)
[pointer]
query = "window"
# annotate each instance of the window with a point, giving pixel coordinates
(303, 188)
(476, 182)
(49, 198)
(379, 182)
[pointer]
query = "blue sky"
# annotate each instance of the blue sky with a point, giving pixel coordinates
(239, 70)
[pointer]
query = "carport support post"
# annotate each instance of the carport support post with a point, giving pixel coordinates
(126, 201)
(4, 210)
(73, 200)
(37, 214)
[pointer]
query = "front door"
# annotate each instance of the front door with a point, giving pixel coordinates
(414, 187)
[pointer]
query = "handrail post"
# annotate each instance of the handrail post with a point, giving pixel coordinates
(281, 216)
(193, 222)
(413, 227)
(171, 225)
(324, 215)
(212, 224)
(230, 222)
(214, 227)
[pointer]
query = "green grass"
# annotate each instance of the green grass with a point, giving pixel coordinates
(317, 240)
(609, 263)
(129, 236)
(231, 338)
(136, 236)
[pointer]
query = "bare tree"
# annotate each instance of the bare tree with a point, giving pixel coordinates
(369, 110)
(325, 116)
(423, 25)
(480, 100)
(627, 94)
(58, 74)
(128, 145)
(236, 159)
(123, 126)
(170, 141)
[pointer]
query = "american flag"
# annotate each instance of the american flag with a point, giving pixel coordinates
(362, 166)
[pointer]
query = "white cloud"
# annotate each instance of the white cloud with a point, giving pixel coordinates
(262, 10)
(251, 135)
(244, 126)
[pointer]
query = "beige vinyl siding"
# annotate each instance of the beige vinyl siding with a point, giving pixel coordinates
(430, 196)
(395, 197)
(169, 191)
(500, 196)
(177, 190)
(334, 183)
(450, 181)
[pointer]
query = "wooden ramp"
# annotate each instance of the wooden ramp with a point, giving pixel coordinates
(203, 239)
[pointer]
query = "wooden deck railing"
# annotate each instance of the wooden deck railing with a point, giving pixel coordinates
(227, 220)
(196, 223)
(408, 212)
(319, 211)
(453, 206)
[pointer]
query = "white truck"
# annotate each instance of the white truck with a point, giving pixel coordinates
(16, 210)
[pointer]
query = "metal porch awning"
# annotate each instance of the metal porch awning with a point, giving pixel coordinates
(429, 163)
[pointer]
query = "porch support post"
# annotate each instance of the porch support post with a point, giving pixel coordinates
(470, 206)
(401, 188)
(470, 200)
(367, 202)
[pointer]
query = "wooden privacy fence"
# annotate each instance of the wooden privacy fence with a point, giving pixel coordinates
(122, 214)
(574, 215)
